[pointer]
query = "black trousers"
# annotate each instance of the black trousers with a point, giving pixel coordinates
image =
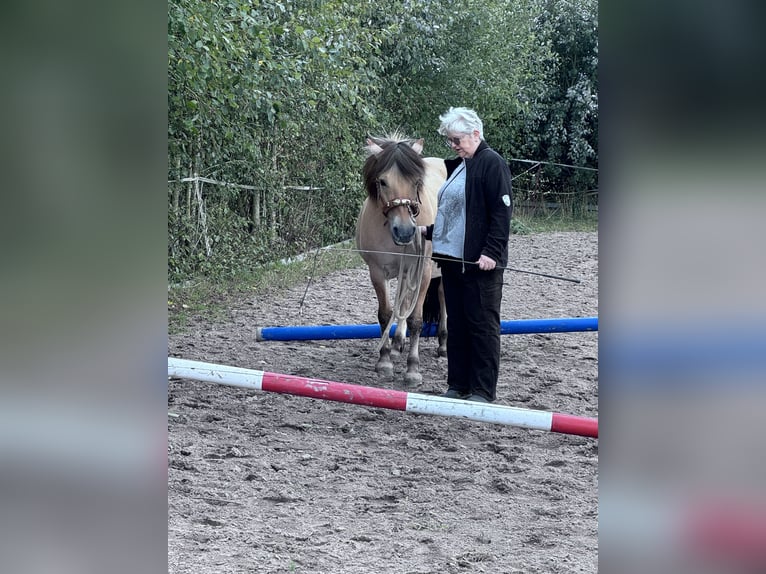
(473, 323)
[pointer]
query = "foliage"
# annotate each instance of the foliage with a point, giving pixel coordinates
(277, 97)
(562, 125)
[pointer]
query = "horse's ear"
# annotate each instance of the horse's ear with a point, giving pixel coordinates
(372, 147)
(418, 145)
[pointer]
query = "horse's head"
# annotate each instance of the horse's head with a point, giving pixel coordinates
(393, 176)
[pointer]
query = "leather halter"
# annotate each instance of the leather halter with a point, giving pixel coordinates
(413, 206)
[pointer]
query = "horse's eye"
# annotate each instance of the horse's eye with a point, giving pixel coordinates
(382, 183)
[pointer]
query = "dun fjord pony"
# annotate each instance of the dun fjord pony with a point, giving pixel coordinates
(401, 195)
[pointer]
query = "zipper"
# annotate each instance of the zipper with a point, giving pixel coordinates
(465, 213)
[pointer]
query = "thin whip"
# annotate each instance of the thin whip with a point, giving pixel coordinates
(311, 276)
(436, 258)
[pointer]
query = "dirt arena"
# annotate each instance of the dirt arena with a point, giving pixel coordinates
(271, 483)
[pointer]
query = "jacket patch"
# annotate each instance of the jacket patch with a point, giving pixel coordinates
(507, 200)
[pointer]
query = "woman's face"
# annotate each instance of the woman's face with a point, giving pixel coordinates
(464, 145)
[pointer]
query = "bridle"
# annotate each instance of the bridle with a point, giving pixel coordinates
(413, 206)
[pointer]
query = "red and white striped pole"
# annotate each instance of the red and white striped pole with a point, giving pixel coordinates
(383, 398)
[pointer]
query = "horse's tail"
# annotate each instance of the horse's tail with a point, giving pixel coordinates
(431, 307)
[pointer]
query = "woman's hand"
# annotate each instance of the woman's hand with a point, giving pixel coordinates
(486, 264)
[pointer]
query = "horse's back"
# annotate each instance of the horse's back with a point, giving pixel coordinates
(436, 173)
(436, 168)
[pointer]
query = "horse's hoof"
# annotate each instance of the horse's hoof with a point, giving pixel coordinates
(413, 379)
(385, 370)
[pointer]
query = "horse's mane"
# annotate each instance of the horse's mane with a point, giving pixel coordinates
(397, 151)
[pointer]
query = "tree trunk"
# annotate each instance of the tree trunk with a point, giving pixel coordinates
(255, 214)
(176, 188)
(202, 216)
(189, 190)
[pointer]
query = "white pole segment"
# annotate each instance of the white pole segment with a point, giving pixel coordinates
(485, 412)
(224, 375)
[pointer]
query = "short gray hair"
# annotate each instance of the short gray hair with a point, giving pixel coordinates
(460, 120)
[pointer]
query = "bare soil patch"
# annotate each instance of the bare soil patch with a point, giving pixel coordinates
(261, 482)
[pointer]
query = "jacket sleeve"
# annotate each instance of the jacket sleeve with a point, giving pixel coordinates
(499, 202)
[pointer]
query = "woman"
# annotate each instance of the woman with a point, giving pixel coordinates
(470, 244)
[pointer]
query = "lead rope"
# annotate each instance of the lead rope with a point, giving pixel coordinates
(407, 289)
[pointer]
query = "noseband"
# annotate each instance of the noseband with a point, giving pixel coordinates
(412, 206)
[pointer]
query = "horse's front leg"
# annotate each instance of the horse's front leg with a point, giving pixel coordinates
(415, 326)
(384, 366)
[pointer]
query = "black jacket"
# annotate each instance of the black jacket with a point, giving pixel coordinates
(488, 218)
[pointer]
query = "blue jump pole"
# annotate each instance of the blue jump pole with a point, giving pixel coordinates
(515, 327)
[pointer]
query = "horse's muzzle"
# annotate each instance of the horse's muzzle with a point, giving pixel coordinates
(403, 234)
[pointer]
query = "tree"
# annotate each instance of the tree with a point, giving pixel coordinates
(562, 125)
(272, 96)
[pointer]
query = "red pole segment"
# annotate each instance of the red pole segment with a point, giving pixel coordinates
(570, 424)
(340, 392)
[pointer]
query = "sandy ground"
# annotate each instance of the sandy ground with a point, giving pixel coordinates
(270, 483)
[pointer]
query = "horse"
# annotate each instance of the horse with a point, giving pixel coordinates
(401, 190)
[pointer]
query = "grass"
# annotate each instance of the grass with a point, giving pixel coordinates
(526, 223)
(210, 299)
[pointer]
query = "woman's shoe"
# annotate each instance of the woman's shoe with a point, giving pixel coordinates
(455, 394)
